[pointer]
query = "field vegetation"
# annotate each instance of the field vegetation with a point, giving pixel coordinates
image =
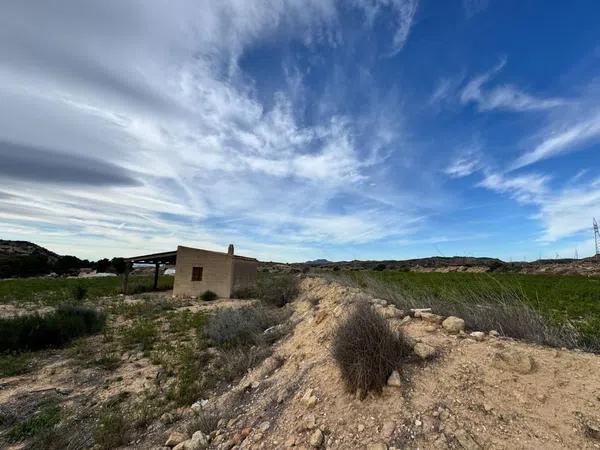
(557, 310)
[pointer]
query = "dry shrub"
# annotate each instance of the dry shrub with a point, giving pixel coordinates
(367, 350)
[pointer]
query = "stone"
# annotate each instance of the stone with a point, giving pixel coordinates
(466, 441)
(175, 438)
(431, 318)
(418, 311)
(167, 418)
(431, 328)
(199, 440)
(388, 429)
(478, 335)
(264, 426)
(424, 351)
(245, 432)
(290, 442)
(394, 379)
(494, 333)
(310, 422)
(390, 312)
(487, 407)
(360, 428)
(316, 439)
(377, 446)
(309, 398)
(514, 361)
(418, 423)
(405, 320)
(180, 446)
(320, 316)
(453, 325)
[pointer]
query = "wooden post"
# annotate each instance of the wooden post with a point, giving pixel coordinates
(125, 277)
(156, 267)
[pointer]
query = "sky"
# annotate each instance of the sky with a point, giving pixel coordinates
(301, 129)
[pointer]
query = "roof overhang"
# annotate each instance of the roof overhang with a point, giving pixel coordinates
(155, 258)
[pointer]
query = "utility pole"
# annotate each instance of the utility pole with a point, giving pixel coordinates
(597, 238)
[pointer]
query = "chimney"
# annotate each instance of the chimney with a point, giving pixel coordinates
(230, 250)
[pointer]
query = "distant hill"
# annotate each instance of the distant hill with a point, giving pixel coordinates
(10, 249)
(317, 262)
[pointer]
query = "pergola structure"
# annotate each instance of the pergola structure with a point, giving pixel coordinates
(156, 258)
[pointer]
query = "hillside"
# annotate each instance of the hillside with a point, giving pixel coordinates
(9, 249)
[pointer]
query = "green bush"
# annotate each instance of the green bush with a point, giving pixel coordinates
(79, 292)
(47, 417)
(208, 296)
(142, 332)
(55, 329)
(277, 289)
(112, 427)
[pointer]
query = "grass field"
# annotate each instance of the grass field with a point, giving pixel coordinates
(561, 299)
(53, 291)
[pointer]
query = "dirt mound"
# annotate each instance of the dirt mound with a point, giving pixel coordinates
(480, 391)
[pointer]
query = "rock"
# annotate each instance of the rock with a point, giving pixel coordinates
(466, 441)
(418, 423)
(487, 407)
(309, 399)
(431, 328)
(431, 318)
(310, 422)
(404, 320)
(514, 361)
(478, 335)
(167, 418)
(394, 379)
(360, 428)
(290, 442)
(424, 351)
(417, 311)
(453, 324)
(180, 446)
(175, 438)
(198, 441)
(264, 426)
(494, 333)
(388, 429)
(316, 439)
(377, 446)
(390, 312)
(245, 432)
(379, 301)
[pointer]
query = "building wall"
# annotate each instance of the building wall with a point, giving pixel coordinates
(217, 274)
(244, 274)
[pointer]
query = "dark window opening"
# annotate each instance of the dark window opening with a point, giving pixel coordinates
(197, 274)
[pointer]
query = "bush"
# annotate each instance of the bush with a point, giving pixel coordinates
(47, 417)
(142, 332)
(34, 332)
(277, 289)
(242, 326)
(112, 427)
(79, 292)
(208, 296)
(366, 350)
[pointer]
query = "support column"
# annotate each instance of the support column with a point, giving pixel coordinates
(156, 267)
(125, 277)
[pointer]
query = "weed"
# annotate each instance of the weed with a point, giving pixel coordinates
(193, 376)
(183, 321)
(16, 364)
(277, 289)
(55, 329)
(235, 362)
(366, 350)
(112, 428)
(48, 416)
(142, 332)
(204, 421)
(79, 292)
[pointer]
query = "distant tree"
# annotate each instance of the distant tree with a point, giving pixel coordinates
(67, 264)
(24, 266)
(380, 267)
(103, 265)
(118, 264)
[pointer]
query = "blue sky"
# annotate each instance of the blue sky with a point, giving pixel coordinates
(357, 129)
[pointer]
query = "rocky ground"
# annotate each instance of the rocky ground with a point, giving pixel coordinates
(465, 390)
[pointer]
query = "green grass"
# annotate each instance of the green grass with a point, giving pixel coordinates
(48, 416)
(142, 333)
(11, 365)
(562, 299)
(52, 291)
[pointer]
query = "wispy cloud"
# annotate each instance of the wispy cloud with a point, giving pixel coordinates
(466, 162)
(473, 7)
(562, 138)
(526, 188)
(403, 12)
(503, 97)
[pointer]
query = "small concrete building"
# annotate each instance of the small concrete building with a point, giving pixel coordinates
(198, 271)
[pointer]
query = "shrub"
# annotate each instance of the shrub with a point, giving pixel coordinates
(237, 361)
(34, 332)
(48, 416)
(277, 289)
(205, 421)
(233, 327)
(112, 427)
(247, 292)
(142, 332)
(208, 296)
(78, 292)
(366, 350)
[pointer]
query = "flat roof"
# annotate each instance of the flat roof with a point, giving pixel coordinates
(170, 257)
